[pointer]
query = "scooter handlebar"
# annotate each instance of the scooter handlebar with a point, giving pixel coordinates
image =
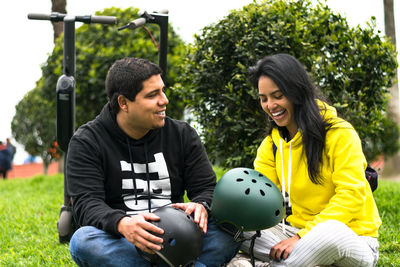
(134, 24)
(38, 16)
(104, 19)
(55, 16)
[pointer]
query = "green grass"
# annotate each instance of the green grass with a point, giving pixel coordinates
(387, 197)
(29, 210)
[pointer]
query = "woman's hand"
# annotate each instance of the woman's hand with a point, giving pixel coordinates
(282, 250)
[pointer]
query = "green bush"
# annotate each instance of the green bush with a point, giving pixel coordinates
(353, 67)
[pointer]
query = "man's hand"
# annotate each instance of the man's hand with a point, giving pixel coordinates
(200, 213)
(282, 250)
(137, 230)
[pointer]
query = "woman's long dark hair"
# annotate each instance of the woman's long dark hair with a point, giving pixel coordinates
(293, 81)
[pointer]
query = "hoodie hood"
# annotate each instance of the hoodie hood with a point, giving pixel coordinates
(109, 120)
(329, 113)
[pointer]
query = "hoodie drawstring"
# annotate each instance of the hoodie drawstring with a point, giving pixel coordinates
(131, 161)
(283, 176)
(147, 176)
(147, 173)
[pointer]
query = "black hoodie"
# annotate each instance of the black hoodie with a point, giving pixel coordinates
(108, 172)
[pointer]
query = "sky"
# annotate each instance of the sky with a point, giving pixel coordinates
(26, 44)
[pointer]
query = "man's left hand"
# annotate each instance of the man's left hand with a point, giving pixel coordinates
(200, 213)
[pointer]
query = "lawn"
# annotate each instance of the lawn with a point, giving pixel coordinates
(29, 210)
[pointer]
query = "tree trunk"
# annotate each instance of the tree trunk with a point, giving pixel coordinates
(392, 164)
(390, 32)
(61, 161)
(390, 29)
(60, 7)
(45, 167)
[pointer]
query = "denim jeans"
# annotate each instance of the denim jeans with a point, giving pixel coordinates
(90, 246)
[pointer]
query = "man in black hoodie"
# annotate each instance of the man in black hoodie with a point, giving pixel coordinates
(130, 160)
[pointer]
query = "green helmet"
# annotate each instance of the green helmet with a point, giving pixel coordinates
(248, 200)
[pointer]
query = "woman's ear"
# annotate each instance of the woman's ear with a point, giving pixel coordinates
(122, 103)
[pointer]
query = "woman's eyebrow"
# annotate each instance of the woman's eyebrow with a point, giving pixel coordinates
(273, 93)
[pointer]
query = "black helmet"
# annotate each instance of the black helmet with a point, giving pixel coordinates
(183, 238)
(248, 200)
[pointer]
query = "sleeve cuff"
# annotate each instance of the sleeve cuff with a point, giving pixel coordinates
(302, 232)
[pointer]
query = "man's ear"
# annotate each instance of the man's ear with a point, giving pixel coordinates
(122, 102)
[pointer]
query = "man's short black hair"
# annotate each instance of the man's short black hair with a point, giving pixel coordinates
(126, 77)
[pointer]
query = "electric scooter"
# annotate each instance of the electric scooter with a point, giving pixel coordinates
(65, 92)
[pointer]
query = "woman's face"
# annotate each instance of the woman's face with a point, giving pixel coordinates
(276, 104)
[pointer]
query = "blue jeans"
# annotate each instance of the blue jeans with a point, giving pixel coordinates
(90, 246)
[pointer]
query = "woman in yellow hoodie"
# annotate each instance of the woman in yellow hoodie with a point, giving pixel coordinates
(316, 159)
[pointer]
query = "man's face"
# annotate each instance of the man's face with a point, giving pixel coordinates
(147, 111)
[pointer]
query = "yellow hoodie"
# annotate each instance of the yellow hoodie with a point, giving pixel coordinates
(344, 195)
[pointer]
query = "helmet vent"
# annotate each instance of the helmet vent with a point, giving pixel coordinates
(239, 180)
(247, 191)
(246, 172)
(262, 193)
(254, 180)
(268, 185)
(277, 212)
(172, 241)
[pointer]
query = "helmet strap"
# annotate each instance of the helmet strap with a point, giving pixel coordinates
(237, 234)
(253, 240)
